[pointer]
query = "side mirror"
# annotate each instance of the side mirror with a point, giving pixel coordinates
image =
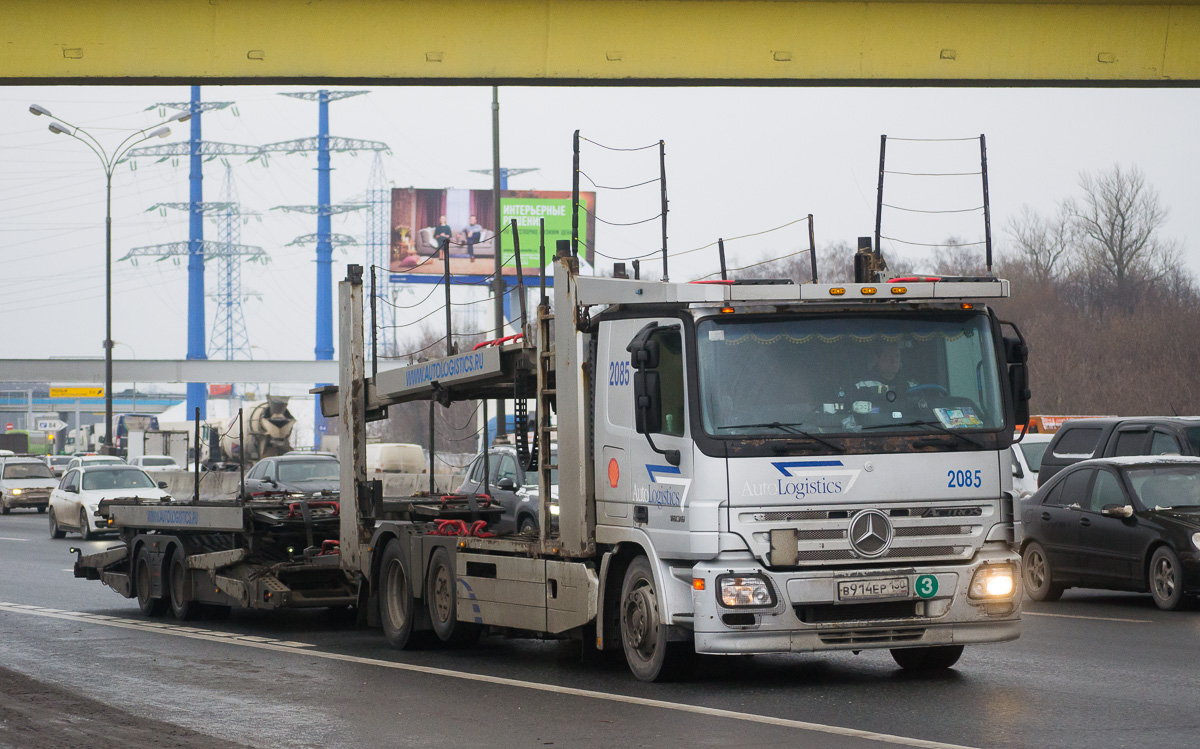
(507, 484)
(72, 489)
(271, 481)
(647, 399)
(1117, 511)
(162, 484)
(1016, 353)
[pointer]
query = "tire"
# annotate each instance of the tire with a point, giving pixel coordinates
(179, 589)
(527, 524)
(643, 635)
(1037, 575)
(85, 531)
(143, 585)
(441, 595)
(397, 607)
(924, 660)
(1165, 579)
(55, 531)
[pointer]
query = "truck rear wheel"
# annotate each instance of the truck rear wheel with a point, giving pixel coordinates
(183, 607)
(927, 659)
(643, 634)
(441, 598)
(397, 606)
(143, 582)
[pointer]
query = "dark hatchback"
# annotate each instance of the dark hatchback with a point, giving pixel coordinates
(1129, 523)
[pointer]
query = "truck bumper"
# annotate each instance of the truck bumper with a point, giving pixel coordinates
(807, 616)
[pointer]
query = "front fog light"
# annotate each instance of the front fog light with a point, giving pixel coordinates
(737, 591)
(993, 581)
(1196, 540)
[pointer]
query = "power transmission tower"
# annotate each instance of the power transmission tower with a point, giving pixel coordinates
(379, 250)
(229, 338)
(323, 144)
(196, 150)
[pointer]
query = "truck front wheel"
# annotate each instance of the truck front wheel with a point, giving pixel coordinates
(927, 659)
(396, 603)
(643, 634)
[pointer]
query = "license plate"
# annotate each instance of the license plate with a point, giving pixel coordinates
(865, 590)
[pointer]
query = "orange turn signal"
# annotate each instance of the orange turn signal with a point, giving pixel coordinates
(697, 583)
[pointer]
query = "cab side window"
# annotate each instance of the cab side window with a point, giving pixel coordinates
(670, 373)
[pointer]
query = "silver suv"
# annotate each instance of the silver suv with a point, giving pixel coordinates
(25, 482)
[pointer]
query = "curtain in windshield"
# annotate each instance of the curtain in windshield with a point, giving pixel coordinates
(846, 374)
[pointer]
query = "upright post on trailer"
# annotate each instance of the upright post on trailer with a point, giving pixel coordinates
(987, 210)
(575, 197)
(542, 259)
(721, 252)
(354, 526)
(879, 194)
(374, 332)
(196, 483)
(812, 248)
(662, 182)
(241, 455)
(520, 274)
(446, 283)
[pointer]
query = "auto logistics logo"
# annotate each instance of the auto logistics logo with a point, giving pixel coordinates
(804, 478)
(667, 488)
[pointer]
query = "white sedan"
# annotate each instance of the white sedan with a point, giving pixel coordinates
(73, 504)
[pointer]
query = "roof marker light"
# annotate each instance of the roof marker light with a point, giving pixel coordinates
(837, 291)
(899, 290)
(727, 310)
(868, 290)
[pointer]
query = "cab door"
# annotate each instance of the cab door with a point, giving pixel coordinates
(1106, 543)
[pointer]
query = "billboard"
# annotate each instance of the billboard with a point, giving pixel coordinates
(422, 217)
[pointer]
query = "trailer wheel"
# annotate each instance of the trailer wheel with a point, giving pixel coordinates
(183, 607)
(644, 636)
(397, 607)
(142, 579)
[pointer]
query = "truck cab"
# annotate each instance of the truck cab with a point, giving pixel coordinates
(799, 490)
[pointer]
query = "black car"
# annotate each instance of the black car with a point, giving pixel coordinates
(510, 485)
(1081, 439)
(301, 473)
(1129, 523)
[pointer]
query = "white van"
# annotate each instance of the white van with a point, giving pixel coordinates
(395, 457)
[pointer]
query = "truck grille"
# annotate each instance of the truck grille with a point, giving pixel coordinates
(872, 636)
(921, 532)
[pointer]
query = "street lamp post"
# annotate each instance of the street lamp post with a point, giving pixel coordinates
(61, 127)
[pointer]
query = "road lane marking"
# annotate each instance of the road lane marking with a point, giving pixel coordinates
(683, 707)
(1092, 618)
(8, 538)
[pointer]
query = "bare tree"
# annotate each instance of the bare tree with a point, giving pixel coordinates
(958, 258)
(1118, 220)
(1043, 245)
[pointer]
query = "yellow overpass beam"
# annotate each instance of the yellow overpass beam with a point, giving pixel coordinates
(791, 42)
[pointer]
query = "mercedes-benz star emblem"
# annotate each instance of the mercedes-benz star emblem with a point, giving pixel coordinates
(870, 533)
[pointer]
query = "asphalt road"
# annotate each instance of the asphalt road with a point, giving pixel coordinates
(1093, 670)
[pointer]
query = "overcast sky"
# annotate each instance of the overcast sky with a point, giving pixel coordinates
(739, 161)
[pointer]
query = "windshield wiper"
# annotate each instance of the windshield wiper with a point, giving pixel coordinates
(935, 424)
(790, 428)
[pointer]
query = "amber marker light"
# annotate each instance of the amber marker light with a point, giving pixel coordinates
(965, 305)
(868, 290)
(697, 583)
(727, 310)
(837, 291)
(899, 290)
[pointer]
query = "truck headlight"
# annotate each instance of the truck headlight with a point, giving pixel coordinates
(993, 581)
(745, 590)
(15, 492)
(1196, 540)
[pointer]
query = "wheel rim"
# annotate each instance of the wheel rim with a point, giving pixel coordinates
(1035, 569)
(397, 594)
(1164, 578)
(640, 613)
(442, 593)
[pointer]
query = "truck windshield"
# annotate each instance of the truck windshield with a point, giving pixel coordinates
(848, 374)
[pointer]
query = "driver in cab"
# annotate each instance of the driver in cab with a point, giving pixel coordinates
(883, 375)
